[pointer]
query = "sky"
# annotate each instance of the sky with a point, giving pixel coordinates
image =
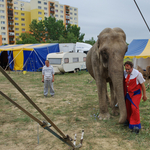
(96, 15)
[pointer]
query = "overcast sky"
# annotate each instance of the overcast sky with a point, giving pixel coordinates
(95, 15)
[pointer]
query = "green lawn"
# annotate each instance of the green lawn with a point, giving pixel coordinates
(74, 107)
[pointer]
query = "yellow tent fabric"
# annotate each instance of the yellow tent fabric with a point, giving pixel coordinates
(18, 63)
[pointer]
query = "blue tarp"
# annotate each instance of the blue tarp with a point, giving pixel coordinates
(34, 55)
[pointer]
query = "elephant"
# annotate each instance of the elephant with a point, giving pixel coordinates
(104, 62)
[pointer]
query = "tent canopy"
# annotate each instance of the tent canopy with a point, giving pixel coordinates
(29, 57)
(138, 48)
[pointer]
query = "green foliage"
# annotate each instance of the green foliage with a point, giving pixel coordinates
(26, 38)
(38, 30)
(91, 41)
(76, 32)
(52, 31)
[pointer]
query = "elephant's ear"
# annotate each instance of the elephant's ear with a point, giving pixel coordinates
(105, 57)
(98, 42)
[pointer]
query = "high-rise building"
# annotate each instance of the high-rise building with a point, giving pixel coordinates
(16, 15)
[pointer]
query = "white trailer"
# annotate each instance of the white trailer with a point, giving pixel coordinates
(67, 62)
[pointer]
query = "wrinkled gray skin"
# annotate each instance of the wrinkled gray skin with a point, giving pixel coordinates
(105, 64)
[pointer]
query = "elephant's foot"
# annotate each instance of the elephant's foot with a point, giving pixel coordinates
(104, 116)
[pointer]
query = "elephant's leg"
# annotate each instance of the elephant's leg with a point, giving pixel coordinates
(113, 100)
(101, 87)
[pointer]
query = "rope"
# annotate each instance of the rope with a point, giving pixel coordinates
(142, 15)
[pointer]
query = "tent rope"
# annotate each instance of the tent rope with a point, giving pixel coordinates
(27, 60)
(38, 57)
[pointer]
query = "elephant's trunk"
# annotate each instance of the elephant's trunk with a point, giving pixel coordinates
(117, 80)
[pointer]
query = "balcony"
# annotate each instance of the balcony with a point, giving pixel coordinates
(11, 36)
(10, 14)
(11, 30)
(11, 42)
(10, 25)
(51, 4)
(9, 3)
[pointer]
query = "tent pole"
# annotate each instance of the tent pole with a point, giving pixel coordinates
(14, 58)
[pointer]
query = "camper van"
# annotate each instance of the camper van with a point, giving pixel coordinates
(67, 62)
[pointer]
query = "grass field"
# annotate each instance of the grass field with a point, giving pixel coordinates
(74, 107)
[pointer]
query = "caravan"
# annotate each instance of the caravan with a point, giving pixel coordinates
(67, 62)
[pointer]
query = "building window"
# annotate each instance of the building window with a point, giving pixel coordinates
(3, 33)
(61, 6)
(15, 2)
(45, 14)
(1, 5)
(39, 7)
(61, 16)
(76, 59)
(22, 19)
(40, 13)
(56, 15)
(71, 22)
(17, 34)
(22, 4)
(45, 8)
(16, 8)
(75, 23)
(2, 28)
(61, 11)
(75, 18)
(17, 29)
(75, 9)
(75, 14)
(56, 5)
(40, 18)
(56, 10)
(1, 0)
(22, 24)
(70, 8)
(17, 39)
(39, 2)
(23, 29)
(66, 60)
(16, 18)
(70, 17)
(17, 24)
(22, 9)
(22, 14)
(84, 59)
(2, 17)
(16, 13)
(45, 3)
(2, 22)
(1, 11)
(71, 13)
(3, 39)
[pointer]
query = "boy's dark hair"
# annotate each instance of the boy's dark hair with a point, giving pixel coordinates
(129, 63)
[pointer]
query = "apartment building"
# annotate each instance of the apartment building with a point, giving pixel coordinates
(16, 15)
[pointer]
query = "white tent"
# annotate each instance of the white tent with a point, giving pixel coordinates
(82, 47)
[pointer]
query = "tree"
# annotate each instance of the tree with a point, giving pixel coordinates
(75, 30)
(91, 41)
(26, 38)
(53, 28)
(38, 30)
(70, 38)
